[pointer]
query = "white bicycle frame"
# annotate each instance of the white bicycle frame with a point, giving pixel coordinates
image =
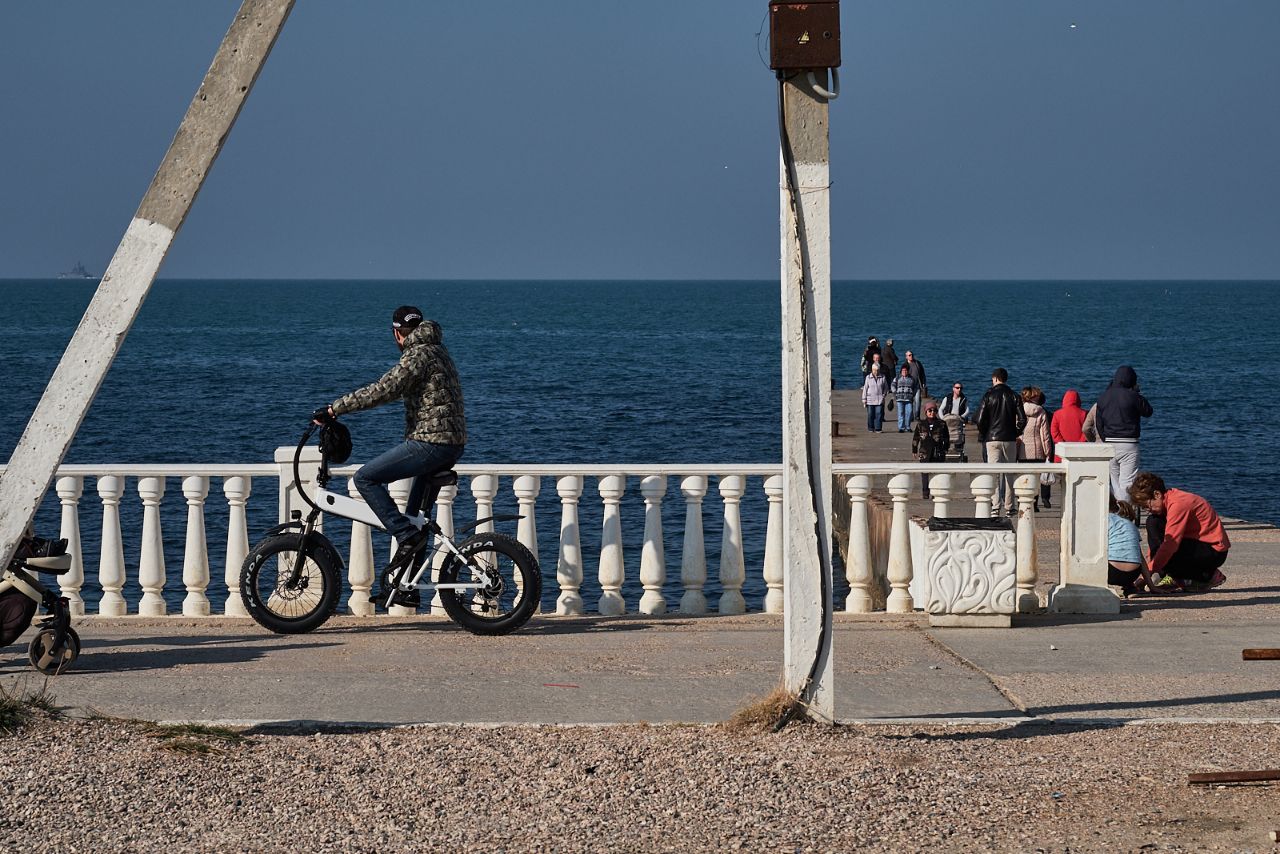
(346, 507)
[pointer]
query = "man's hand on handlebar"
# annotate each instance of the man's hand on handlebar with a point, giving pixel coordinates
(323, 415)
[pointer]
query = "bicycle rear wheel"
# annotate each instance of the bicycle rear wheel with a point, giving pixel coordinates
(510, 585)
(276, 603)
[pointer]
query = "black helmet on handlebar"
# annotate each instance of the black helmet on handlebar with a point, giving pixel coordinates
(335, 442)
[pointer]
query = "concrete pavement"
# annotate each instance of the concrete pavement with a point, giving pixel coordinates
(1160, 658)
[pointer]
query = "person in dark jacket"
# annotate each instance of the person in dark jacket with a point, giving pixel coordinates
(873, 349)
(1001, 420)
(904, 390)
(930, 441)
(916, 369)
(435, 426)
(890, 358)
(1118, 421)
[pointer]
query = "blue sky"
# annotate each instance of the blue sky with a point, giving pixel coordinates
(584, 139)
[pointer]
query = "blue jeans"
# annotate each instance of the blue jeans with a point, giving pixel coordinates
(875, 416)
(411, 458)
(904, 415)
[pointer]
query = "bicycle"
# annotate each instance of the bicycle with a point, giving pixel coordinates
(489, 584)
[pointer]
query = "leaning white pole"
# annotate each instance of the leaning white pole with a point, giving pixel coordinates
(806, 401)
(133, 268)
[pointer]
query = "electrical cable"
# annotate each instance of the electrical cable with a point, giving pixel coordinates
(803, 697)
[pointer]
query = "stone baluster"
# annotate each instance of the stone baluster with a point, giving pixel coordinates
(69, 491)
(1027, 488)
(526, 488)
(940, 489)
(653, 562)
(983, 487)
(444, 518)
(859, 568)
(773, 556)
(237, 490)
(399, 491)
(484, 488)
(612, 571)
(195, 557)
(569, 562)
(151, 563)
(693, 557)
(111, 565)
(732, 566)
(360, 567)
(900, 601)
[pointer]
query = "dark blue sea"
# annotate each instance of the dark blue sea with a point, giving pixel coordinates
(631, 372)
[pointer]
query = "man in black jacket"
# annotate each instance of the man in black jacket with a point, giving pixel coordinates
(1121, 409)
(1000, 423)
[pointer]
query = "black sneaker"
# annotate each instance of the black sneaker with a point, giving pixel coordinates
(408, 549)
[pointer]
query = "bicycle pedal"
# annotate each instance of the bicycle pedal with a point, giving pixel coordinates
(406, 598)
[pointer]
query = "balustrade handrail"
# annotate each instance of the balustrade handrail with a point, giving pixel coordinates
(165, 469)
(948, 468)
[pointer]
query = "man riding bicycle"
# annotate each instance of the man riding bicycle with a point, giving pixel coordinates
(435, 426)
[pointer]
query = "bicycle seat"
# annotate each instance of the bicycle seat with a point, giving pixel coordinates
(448, 477)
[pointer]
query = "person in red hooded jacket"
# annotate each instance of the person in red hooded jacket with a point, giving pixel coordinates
(1068, 422)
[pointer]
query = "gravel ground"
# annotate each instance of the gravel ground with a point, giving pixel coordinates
(109, 785)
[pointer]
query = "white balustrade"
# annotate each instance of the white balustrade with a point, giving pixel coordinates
(732, 566)
(858, 565)
(484, 488)
(653, 562)
(526, 488)
(1027, 489)
(693, 561)
(900, 601)
(151, 563)
(612, 570)
(444, 519)
(569, 567)
(111, 564)
(983, 487)
(69, 491)
(237, 490)
(773, 569)
(360, 566)
(399, 491)
(940, 489)
(195, 560)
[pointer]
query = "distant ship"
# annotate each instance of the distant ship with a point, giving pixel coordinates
(77, 272)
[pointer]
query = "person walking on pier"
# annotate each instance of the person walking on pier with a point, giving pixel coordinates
(890, 359)
(873, 349)
(905, 390)
(1121, 409)
(874, 390)
(955, 403)
(435, 425)
(1035, 445)
(1067, 424)
(916, 369)
(1185, 537)
(1001, 419)
(930, 441)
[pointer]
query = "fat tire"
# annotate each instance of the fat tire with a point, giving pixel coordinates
(326, 560)
(531, 585)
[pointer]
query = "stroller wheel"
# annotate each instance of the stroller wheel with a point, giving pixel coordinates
(42, 657)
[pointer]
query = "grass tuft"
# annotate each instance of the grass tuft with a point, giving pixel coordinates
(195, 739)
(18, 704)
(764, 714)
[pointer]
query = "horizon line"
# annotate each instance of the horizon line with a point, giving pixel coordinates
(1019, 279)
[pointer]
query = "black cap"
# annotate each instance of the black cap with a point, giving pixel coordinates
(406, 317)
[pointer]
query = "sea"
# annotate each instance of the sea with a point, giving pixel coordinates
(643, 372)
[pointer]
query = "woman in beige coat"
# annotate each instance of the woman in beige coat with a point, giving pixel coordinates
(1036, 444)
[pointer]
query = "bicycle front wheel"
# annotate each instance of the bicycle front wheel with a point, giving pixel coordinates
(508, 579)
(278, 600)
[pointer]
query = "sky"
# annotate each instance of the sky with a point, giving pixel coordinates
(628, 140)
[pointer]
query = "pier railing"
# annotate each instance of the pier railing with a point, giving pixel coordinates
(882, 548)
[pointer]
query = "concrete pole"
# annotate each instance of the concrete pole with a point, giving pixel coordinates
(133, 268)
(806, 400)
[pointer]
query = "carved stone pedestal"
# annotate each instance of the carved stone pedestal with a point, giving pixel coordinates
(972, 569)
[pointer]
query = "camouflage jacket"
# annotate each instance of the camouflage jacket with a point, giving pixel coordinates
(426, 379)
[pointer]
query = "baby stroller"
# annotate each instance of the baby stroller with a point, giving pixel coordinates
(955, 429)
(56, 645)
